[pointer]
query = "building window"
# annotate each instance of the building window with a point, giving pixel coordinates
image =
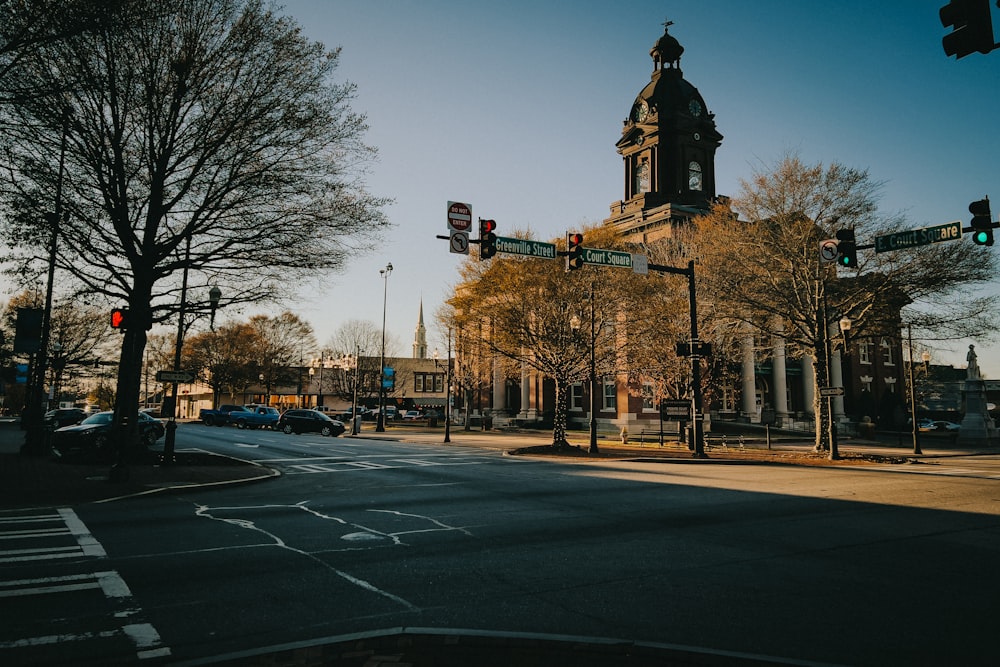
(610, 396)
(642, 176)
(864, 352)
(576, 396)
(887, 352)
(648, 405)
(694, 176)
(427, 383)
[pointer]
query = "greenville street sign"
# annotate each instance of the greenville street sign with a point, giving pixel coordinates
(917, 237)
(525, 247)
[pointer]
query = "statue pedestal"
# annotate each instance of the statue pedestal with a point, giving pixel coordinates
(978, 429)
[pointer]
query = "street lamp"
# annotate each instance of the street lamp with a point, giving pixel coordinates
(380, 423)
(214, 296)
(447, 390)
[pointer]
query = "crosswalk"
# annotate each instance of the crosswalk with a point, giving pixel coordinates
(986, 469)
(50, 560)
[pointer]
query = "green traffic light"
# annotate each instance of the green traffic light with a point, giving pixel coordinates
(981, 237)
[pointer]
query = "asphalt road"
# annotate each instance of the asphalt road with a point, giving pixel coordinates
(863, 566)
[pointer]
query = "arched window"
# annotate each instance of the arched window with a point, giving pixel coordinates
(642, 176)
(694, 176)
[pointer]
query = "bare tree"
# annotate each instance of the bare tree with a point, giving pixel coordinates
(763, 273)
(281, 346)
(203, 137)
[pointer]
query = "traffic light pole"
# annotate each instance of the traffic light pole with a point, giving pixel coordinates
(698, 418)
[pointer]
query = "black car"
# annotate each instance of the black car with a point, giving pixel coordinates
(64, 417)
(91, 438)
(309, 421)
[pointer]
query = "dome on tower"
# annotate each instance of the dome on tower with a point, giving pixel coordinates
(667, 50)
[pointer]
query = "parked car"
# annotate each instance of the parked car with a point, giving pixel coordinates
(255, 416)
(412, 415)
(91, 438)
(309, 421)
(923, 424)
(945, 426)
(64, 417)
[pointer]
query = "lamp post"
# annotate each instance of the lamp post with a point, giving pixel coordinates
(214, 296)
(267, 396)
(913, 394)
(355, 422)
(447, 390)
(380, 421)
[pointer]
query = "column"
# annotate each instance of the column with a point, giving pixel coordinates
(779, 380)
(749, 402)
(808, 385)
(499, 387)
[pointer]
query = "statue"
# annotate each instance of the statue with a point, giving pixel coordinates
(972, 372)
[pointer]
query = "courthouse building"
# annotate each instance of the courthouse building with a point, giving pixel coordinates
(668, 143)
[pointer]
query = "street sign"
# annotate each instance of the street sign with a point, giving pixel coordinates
(828, 250)
(459, 216)
(525, 247)
(600, 257)
(831, 391)
(174, 376)
(640, 264)
(951, 231)
(459, 243)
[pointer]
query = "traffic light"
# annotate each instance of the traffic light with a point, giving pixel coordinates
(982, 225)
(973, 27)
(847, 249)
(119, 318)
(487, 239)
(574, 251)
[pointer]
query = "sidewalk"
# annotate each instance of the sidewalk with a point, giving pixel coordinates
(27, 481)
(39, 481)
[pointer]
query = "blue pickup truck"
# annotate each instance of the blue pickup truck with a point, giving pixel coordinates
(243, 416)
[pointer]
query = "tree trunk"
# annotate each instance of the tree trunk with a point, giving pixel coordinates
(559, 420)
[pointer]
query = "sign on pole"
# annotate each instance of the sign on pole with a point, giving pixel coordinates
(951, 231)
(458, 243)
(600, 257)
(828, 250)
(831, 391)
(174, 376)
(640, 264)
(459, 216)
(526, 247)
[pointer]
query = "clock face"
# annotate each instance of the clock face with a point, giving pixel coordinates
(694, 106)
(640, 112)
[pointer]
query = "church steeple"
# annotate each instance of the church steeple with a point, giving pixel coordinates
(420, 335)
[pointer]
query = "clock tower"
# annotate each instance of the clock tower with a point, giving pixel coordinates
(668, 145)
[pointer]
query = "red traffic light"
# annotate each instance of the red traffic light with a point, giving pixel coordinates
(574, 251)
(487, 239)
(119, 318)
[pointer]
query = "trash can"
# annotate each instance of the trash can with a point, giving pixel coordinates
(432, 421)
(487, 423)
(357, 424)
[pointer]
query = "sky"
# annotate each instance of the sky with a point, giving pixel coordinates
(514, 108)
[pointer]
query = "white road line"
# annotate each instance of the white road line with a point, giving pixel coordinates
(91, 547)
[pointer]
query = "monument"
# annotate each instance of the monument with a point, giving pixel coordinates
(977, 428)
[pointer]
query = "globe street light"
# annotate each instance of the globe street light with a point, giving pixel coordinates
(380, 422)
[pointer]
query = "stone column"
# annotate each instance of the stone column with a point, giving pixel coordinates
(779, 399)
(808, 382)
(748, 405)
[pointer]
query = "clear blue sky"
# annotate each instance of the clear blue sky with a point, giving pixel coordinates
(515, 108)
